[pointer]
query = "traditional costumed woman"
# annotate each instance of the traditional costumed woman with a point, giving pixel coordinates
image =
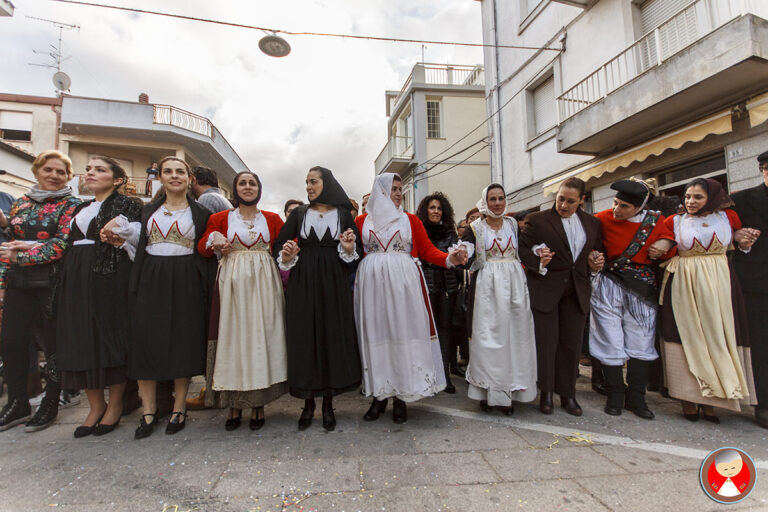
(502, 353)
(170, 283)
(93, 321)
(30, 259)
(320, 246)
(246, 365)
(706, 342)
(400, 352)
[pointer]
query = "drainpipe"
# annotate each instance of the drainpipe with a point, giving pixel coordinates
(496, 102)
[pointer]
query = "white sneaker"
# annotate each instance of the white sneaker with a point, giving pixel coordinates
(35, 402)
(68, 399)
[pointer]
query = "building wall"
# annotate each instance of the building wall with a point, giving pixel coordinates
(592, 37)
(19, 173)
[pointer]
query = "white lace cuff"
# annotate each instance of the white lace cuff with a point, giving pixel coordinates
(470, 247)
(347, 258)
(286, 266)
(536, 248)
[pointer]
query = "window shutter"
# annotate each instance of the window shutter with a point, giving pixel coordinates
(655, 12)
(21, 121)
(544, 106)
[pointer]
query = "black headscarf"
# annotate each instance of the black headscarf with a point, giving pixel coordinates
(717, 197)
(238, 199)
(332, 193)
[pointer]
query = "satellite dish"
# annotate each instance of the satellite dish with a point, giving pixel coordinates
(274, 46)
(62, 81)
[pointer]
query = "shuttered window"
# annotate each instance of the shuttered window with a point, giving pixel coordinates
(655, 12)
(544, 106)
(15, 125)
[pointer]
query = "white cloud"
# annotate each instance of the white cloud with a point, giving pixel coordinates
(321, 105)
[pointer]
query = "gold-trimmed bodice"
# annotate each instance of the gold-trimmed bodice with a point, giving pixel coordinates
(715, 247)
(173, 236)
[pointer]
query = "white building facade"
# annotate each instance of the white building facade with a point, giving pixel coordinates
(438, 106)
(670, 89)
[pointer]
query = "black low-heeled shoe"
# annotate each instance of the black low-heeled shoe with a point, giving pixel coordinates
(101, 429)
(85, 430)
(257, 423)
(145, 429)
(485, 407)
(305, 420)
(175, 424)
(450, 388)
(233, 423)
(376, 409)
(399, 411)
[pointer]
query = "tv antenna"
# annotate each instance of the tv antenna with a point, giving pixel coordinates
(60, 79)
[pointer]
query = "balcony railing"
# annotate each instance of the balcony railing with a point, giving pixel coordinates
(397, 147)
(166, 114)
(677, 33)
(443, 74)
(139, 187)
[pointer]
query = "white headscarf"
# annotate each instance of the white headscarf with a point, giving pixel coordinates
(482, 205)
(380, 209)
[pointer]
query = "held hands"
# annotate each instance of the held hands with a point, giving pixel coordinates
(10, 250)
(108, 236)
(290, 250)
(746, 237)
(659, 248)
(459, 256)
(221, 244)
(347, 240)
(596, 261)
(545, 256)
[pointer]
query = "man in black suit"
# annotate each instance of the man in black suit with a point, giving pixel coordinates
(559, 248)
(752, 269)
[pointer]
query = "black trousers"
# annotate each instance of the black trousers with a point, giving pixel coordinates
(442, 309)
(559, 335)
(757, 313)
(26, 308)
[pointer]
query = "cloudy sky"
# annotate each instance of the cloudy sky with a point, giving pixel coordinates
(321, 105)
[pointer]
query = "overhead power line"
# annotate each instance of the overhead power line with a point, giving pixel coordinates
(417, 174)
(293, 33)
(417, 179)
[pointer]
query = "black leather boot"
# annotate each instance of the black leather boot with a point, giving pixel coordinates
(48, 410)
(598, 380)
(399, 411)
(637, 381)
(614, 386)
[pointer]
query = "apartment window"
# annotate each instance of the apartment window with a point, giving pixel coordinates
(15, 125)
(544, 106)
(433, 119)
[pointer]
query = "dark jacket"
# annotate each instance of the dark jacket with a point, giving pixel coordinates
(547, 228)
(752, 268)
(439, 279)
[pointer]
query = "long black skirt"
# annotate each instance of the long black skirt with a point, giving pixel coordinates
(323, 354)
(93, 321)
(168, 338)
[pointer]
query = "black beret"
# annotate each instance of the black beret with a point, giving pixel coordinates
(630, 191)
(762, 157)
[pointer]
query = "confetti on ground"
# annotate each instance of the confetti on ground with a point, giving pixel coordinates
(553, 443)
(577, 437)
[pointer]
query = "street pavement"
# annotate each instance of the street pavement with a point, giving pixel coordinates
(449, 456)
